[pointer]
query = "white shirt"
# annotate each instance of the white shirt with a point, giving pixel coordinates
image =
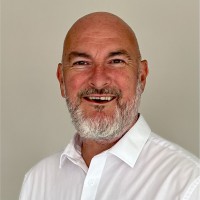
(140, 166)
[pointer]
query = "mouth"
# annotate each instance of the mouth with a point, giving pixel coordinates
(99, 99)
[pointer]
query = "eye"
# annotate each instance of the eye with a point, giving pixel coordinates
(117, 62)
(80, 63)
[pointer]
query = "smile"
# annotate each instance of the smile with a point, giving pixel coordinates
(99, 99)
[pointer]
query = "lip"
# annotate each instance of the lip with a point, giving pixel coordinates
(99, 99)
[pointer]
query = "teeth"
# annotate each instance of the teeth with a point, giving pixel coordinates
(101, 98)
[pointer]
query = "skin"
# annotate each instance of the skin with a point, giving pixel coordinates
(100, 51)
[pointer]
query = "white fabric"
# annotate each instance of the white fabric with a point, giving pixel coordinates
(141, 166)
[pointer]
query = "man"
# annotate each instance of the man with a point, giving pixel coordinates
(114, 154)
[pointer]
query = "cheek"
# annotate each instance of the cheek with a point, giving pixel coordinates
(74, 83)
(127, 83)
(125, 79)
(128, 88)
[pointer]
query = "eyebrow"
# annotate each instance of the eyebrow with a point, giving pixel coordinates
(118, 53)
(78, 54)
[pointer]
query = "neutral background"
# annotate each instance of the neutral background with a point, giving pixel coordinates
(35, 121)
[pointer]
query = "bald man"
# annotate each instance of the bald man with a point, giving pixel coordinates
(114, 155)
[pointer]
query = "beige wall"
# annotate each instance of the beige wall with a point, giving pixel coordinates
(34, 118)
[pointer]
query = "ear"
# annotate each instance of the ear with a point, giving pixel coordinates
(61, 79)
(143, 73)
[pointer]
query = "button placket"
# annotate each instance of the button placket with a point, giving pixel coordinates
(93, 177)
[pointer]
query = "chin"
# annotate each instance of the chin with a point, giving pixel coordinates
(99, 111)
(101, 140)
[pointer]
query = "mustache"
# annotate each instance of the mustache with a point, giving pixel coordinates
(113, 91)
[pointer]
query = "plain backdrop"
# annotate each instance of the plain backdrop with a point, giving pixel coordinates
(35, 121)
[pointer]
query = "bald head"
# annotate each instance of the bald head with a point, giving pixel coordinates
(100, 24)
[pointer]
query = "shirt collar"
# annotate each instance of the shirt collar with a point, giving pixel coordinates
(129, 147)
(72, 151)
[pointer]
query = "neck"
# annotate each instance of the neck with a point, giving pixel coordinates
(91, 148)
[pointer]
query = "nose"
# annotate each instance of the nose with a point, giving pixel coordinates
(99, 77)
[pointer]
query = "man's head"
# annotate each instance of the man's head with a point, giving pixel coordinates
(102, 76)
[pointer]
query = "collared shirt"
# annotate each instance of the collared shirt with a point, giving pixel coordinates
(140, 166)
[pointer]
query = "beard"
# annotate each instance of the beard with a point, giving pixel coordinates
(104, 127)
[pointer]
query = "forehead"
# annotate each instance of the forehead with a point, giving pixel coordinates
(99, 41)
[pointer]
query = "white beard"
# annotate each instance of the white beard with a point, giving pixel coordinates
(106, 128)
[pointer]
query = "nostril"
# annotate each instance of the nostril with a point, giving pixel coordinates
(98, 84)
(99, 81)
(99, 77)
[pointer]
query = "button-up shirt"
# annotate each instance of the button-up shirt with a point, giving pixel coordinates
(140, 166)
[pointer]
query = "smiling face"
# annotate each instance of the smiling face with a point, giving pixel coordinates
(101, 75)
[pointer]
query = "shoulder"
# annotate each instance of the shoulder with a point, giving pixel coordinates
(170, 159)
(38, 176)
(173, 165)
(50, 161)
(45, 166)
(172, 151)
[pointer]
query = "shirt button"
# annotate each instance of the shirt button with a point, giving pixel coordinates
(91, 182)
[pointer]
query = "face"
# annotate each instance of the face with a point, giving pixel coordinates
(102, 78)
